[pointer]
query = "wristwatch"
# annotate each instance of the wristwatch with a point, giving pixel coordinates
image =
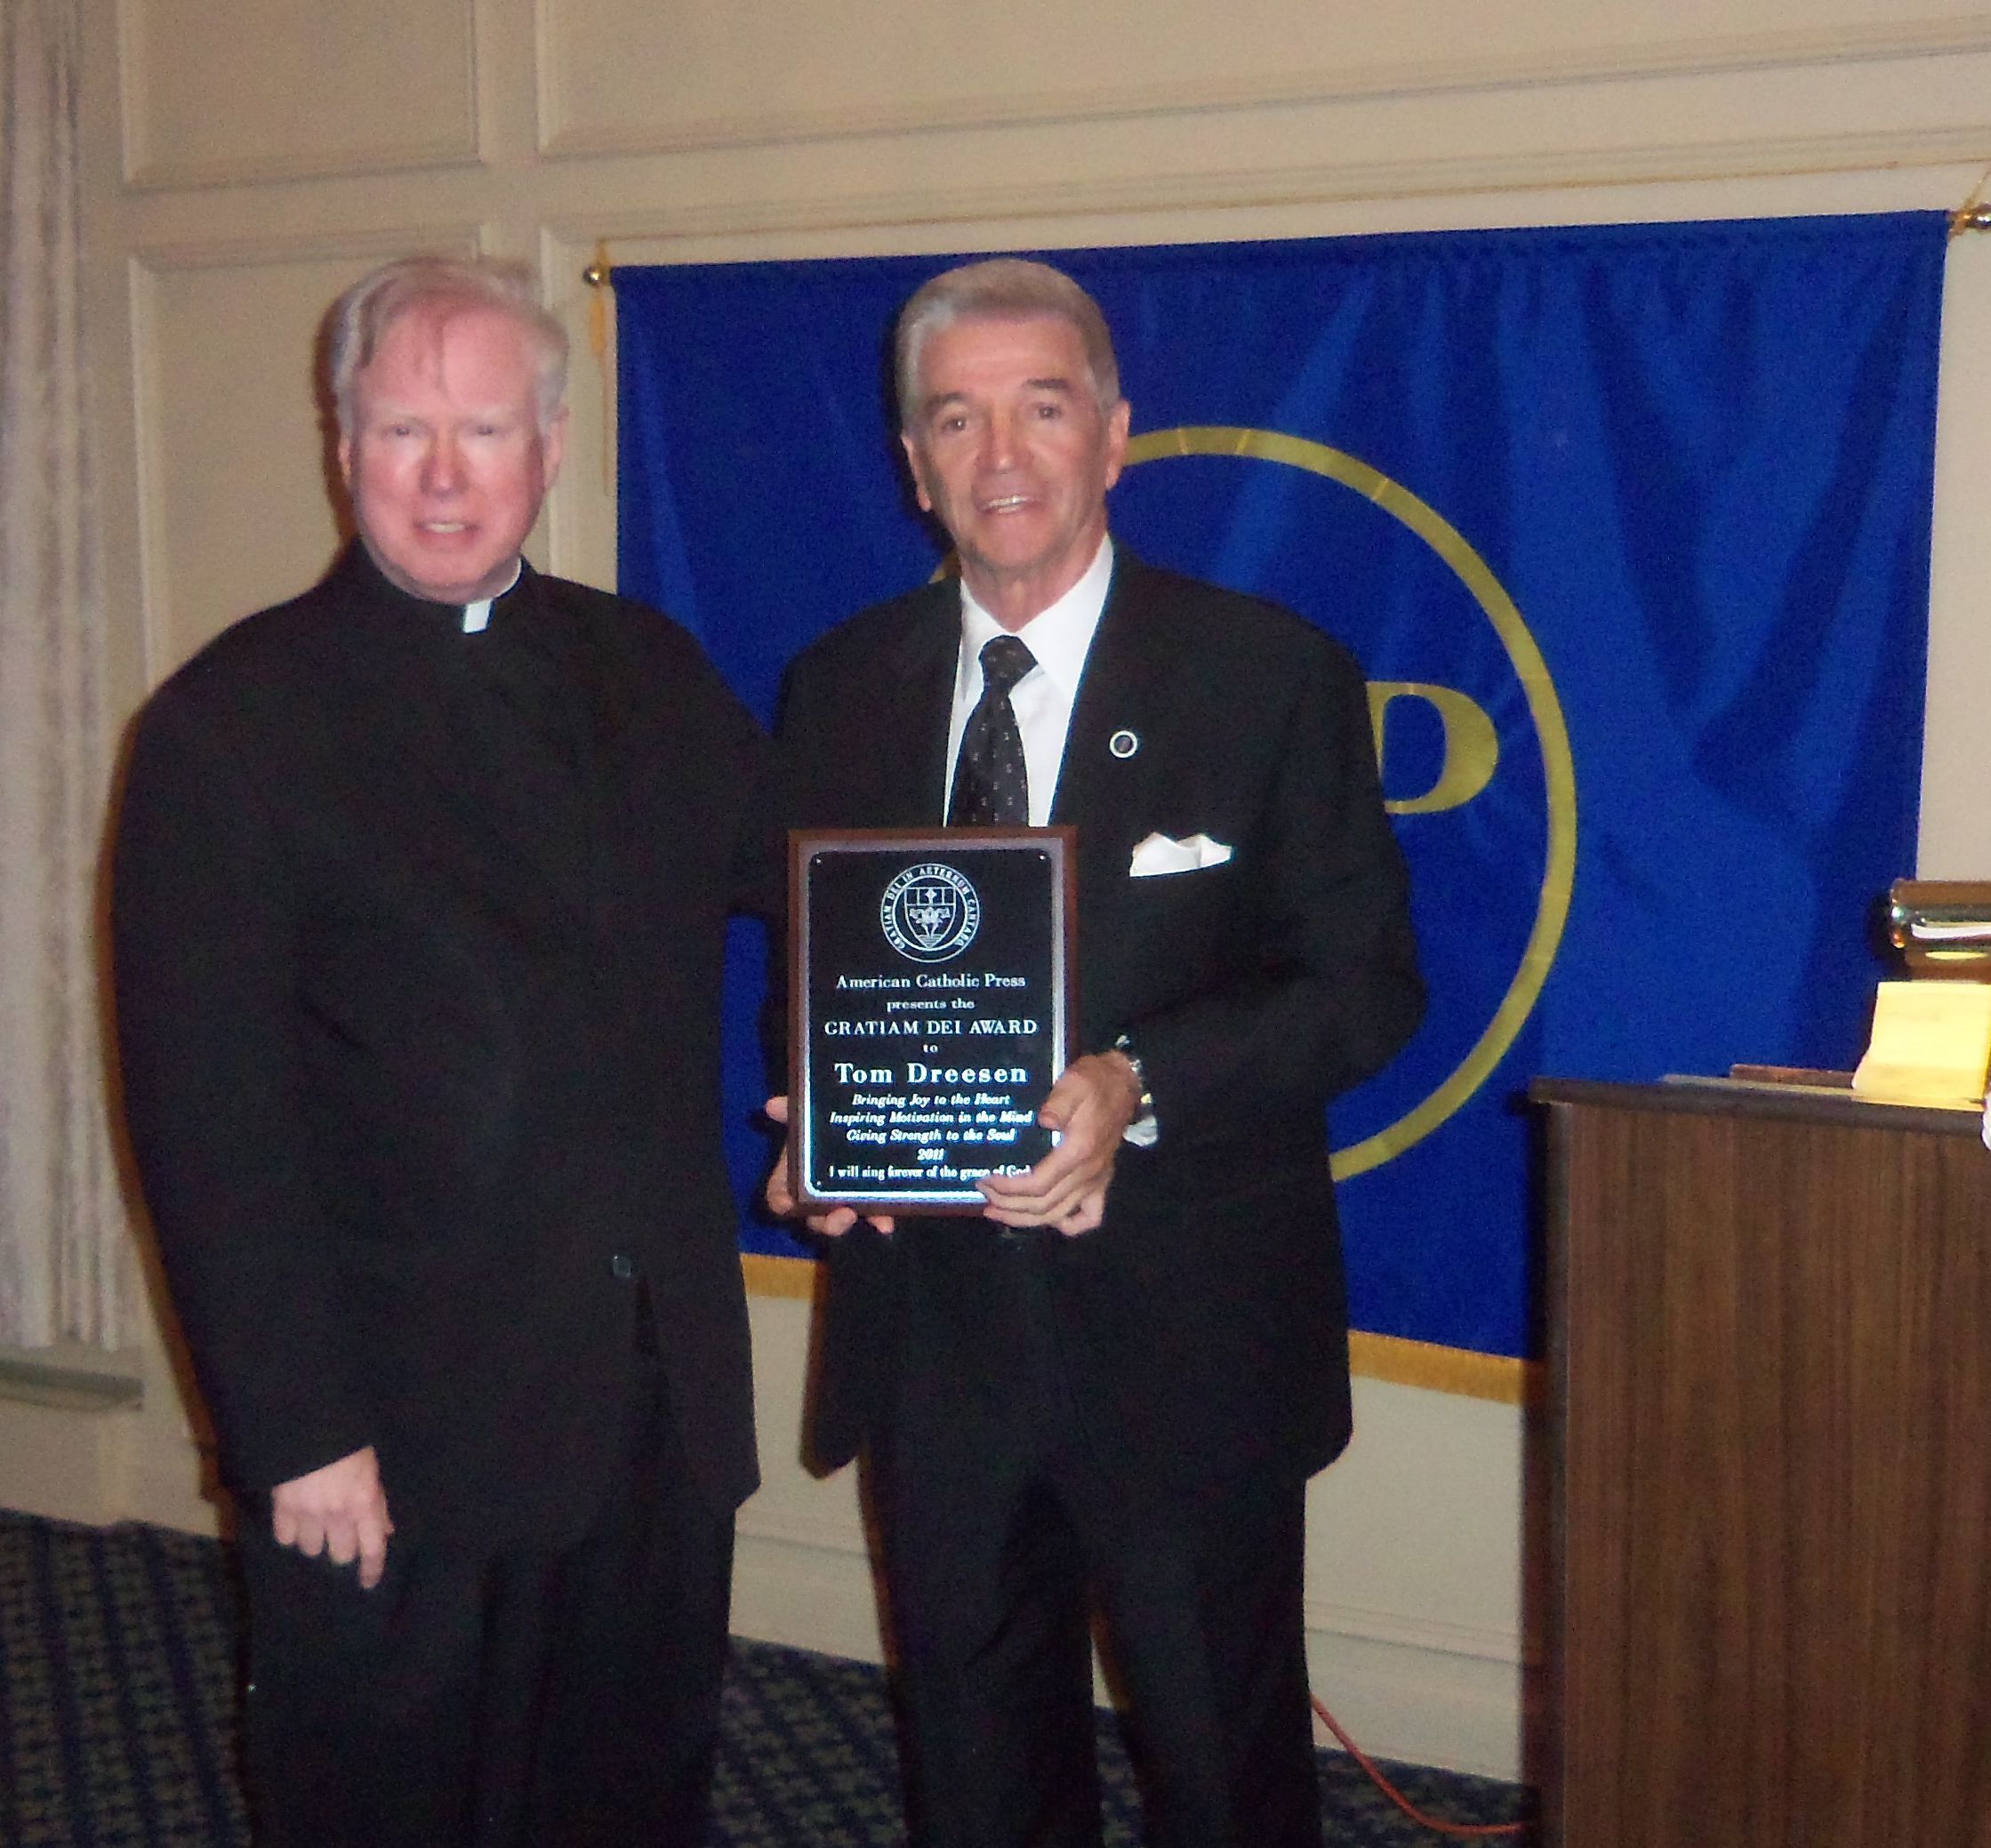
(1143, 1128)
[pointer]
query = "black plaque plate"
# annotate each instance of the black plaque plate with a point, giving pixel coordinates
(931, 993)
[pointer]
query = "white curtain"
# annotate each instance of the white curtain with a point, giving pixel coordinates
(66, 1261)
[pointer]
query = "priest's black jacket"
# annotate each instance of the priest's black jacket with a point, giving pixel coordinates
(418, 1001)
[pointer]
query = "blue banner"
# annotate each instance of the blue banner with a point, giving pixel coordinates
(1628, 526)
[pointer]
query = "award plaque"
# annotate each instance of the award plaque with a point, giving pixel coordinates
(930, 987)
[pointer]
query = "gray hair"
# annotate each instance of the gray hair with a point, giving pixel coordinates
(360, 319)
(1001, 288)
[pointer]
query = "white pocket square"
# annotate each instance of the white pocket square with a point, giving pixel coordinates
(1159, 854)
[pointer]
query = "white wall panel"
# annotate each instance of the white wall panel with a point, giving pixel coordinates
(627, 77)
(1810, 118)
(220, 91)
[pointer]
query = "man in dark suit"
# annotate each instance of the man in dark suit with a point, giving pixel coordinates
(421, 885)
(1111, 1389)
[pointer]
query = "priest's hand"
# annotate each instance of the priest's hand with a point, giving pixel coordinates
(340, 1510)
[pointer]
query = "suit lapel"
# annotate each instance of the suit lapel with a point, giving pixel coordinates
(909, 750)
(1107, 761)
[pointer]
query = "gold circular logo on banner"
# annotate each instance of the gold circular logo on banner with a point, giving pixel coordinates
(1557, 766)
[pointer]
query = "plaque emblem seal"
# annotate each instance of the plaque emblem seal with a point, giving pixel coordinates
(930, 913)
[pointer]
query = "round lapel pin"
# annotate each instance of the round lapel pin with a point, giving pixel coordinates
(1123, 743)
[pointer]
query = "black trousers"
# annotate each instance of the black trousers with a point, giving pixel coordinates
(522, 1700)
(1003, 1536)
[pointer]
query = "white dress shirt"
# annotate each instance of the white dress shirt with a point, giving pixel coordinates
(1060, 639)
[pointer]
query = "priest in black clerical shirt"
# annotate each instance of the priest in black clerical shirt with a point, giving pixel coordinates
(421, 882)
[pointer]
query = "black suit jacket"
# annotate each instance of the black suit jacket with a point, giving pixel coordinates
(420, 1045)
(1203, 1326)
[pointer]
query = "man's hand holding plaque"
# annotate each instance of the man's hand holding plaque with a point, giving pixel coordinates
(1095, 1097)
(780, 1196)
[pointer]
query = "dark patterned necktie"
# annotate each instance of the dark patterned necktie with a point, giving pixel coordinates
(992, 787)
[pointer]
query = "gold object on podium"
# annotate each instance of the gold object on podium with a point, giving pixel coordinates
(1942, 927)
(1931, 1039)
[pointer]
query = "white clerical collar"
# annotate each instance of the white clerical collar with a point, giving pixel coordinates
(1058, 636)
(476, 615)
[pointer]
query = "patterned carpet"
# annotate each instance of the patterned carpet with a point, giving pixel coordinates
(118, 1719)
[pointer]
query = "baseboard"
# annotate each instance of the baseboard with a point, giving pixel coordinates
(171, 1483)
(1459, 1710)
(62, 1462)
(805, 1596)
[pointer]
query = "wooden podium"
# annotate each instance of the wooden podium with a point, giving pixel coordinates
(1770, 1363)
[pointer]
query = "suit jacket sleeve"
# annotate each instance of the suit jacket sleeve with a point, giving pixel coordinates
(206, 944)
(1327, 989)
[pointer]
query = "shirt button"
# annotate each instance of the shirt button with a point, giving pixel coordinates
(622, 1266)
